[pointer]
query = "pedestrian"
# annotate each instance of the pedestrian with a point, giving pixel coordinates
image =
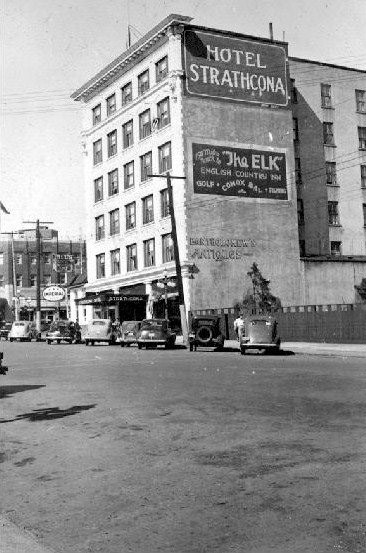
(238, 325)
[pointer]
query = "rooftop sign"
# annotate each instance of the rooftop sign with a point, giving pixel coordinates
(221, 66)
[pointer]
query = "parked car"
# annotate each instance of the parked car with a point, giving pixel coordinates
(129, 332)
(155, 332)
(5, 329)
(206, 332)
(259, 332)
(64, 331)
(24, 331)
(101, 330)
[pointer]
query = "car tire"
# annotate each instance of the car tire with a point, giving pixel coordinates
(139, 346)
(122, 344)
(242, 351)
(204, 334)
(86, 342)
(49, 342)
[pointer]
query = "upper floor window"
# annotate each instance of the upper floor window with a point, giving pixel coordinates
(143, 82)
(112, 143)
(111, 104)
(47, 258)
(298, 177)
(113, 183)
(33, 280)
(364, 214)
(146, 166)
(98, 189)
(18, 258)
(115, 262)
(100, 265)
(126, 94)
(325, 90)
(149, 252)
(331, 172)
(328, 134)
(131, 216)
(362, 138)
(302, 248)
(62, 277)
(336, 248)
(363, 176)
(295, 128)
(333, 213)
(129, 175)
(127, 133)
(19, 281)
(163, 113)
(131, 257)
(1, 258)
(97, 152)
(361, 101)
(99, 227)
(147, 209)
(167, 248)
(161, 69)
(145, 124)
(300, 211)
(164, 203)
(114, 222)
(165, 157)
(2, 281)
(294, 97)
(33, 259)
(97, 114)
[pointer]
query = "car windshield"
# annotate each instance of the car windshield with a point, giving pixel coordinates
(153, 324)
(260, 322)
(129, 326)
(20, 324)
(99, 323)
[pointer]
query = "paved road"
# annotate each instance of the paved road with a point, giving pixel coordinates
(112, 450)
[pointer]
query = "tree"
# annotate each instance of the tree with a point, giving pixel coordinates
(5, 311)
(259, 299)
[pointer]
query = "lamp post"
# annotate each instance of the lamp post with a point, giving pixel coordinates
(165, 282)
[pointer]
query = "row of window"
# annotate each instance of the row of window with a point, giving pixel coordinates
(149, 259)
(129, 177)
(46, 258)
(330, 171)
(328, 134)
(333, 213)
(146, 126)
(335, 248)
(143, 85)
(46, 280)
(326, 98)
(147, 205)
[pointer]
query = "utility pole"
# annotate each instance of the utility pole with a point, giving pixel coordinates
(178, 269)
(38, 248)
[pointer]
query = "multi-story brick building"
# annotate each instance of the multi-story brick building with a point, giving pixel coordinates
(216, 108)
(61, 261)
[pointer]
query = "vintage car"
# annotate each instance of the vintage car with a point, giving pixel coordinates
(5, 329)
(101, 330)
(24, 331)
(155, 332)
(259, 332)
(206, 332)
(129, 331)
(63, 331)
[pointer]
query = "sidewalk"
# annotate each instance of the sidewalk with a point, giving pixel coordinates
(17, 540)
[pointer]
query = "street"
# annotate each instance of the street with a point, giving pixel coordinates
(114, 450)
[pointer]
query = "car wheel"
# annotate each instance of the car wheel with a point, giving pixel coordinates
(242, 351)
(49, 342)
(139, 346)
(86, 342)
(122, 344)
(92, 342)
(11, 339)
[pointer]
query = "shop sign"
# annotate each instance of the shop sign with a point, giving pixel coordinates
(221, 66)
(53, 293)
(220, 248)
(250, 173)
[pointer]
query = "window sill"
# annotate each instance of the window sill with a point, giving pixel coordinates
(328, 107)
(97, 163)
(148, 223)
(142, 139)
(129, 188)
(125, 148)
(361, 112)
(112, 155)
(334, 225)
(362, 149)
(330, 145)
(130, 229)
(332, 185)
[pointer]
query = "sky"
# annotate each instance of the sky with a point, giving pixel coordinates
(51, 47)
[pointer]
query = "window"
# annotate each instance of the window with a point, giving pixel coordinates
(163, 113)
(115, 262)
(1, 281)
(294, 97)
(147, 210)
(328, 134)
(165, 157)
(298, 178)
(161, 69)
(143, 82)
(363, 176)
(364, 214)
(47, 258)
(114, 222)
(97, 152)
(98, 189)
(131, 255)
(361, 101)
(130, 215)
(145, 124)
(149, 252)
(167, 248)
(300, 211)
(100, 263)
(19, 281)
(146, 166)
(302, 248)
(129, 175)
(336, 248)
(111, 104)
(331, 172)
(33, 259)
(325, 91)
(295, 128)
(112, 143)
(33, 280)
(113, 182)
(97, 114)
(164, 203)
(18, 258)
(362, 138)
(1, 258)
(62, 278)
(333, 215)
(99, 227)
(126, 94)
(47, 280)
(127, 132)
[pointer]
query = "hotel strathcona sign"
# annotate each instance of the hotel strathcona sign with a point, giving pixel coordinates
(249, 173)
(221, 66)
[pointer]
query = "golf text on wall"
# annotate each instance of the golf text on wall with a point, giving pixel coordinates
(237, 69)
(239, 172)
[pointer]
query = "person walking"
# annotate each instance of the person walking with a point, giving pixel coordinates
(239, 324)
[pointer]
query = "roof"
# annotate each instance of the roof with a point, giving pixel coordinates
(79, 280)
(322, 63)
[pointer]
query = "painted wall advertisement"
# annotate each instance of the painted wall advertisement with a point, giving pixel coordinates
(249, 173)
(242, 70)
